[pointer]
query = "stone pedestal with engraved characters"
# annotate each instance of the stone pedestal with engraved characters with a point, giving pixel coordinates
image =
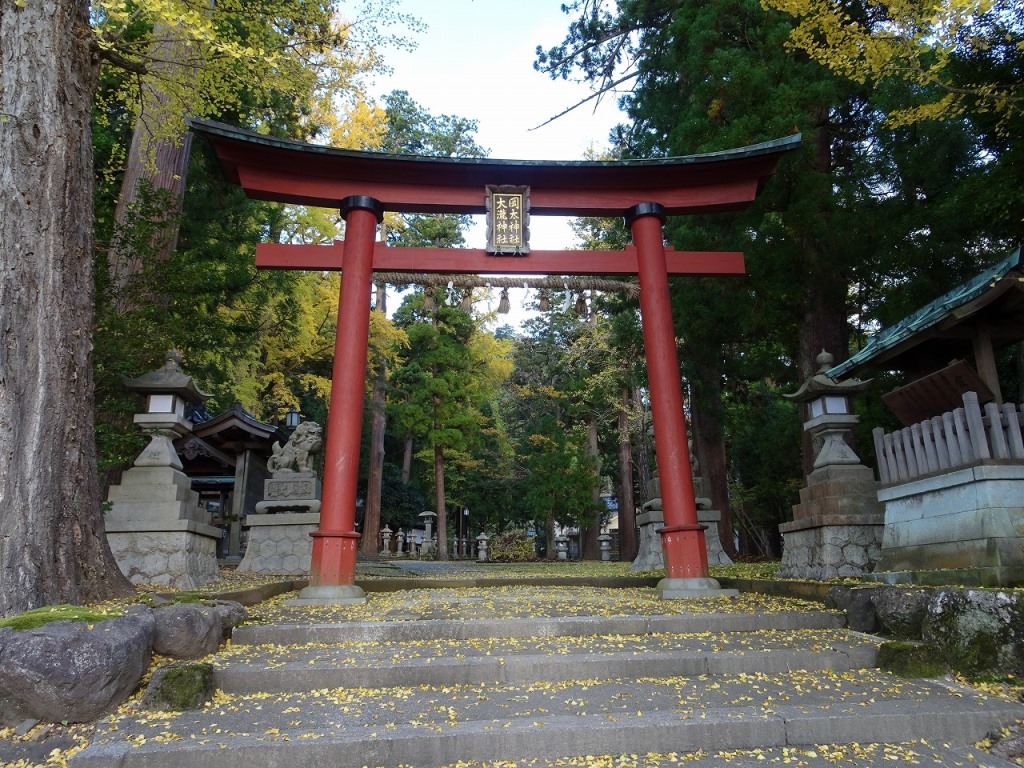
(279, 532)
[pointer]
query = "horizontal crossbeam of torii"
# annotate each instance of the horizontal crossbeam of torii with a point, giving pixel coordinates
(363, 185)
(478, 262)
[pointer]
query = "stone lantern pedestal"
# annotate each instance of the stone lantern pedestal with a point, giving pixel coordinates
(156, 529)
(837, 526)
(651, 519)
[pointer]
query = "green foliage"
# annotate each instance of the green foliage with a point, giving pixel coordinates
(561, 473)
(400, 504)
(293, 61)
(763, 432)
(925, 45)
(512, 546)
(39, 617)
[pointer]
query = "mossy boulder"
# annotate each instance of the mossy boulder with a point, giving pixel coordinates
(40, 617)
(180, 686)
(901, 611)
(858, 605)
(908, 659)
(977, 632)
(71, 670)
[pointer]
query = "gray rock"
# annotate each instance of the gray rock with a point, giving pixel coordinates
(901, 612)
(1011, 747)
(180, 686)
(231, 615)
(856, 602)
(69, 670)
(978, 631)
(187, 630)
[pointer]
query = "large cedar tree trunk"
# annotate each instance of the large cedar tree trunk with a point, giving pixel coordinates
(628, 543)
(371, 519)
(53, 548)
(159, 162)
(709, 444)
(442, 516)
(824, 325)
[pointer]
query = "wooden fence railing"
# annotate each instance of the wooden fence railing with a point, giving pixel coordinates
(954, 439)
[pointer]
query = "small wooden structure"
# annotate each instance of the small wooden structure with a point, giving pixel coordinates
(226, 460)
(952, 479)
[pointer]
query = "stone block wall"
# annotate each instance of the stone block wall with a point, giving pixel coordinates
(280, 544)
(182, 559)
(827, 548)
(969, 519)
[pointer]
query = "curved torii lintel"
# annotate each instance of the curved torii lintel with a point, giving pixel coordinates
(289, 171)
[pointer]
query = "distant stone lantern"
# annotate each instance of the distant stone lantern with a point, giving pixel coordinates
(562, 547)
(428, 522)
(481, 547)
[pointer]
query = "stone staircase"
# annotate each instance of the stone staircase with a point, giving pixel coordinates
(532, 675)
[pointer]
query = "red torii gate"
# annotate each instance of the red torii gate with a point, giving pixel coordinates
(363, 185)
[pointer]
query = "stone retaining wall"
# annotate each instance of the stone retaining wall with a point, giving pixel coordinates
(831, 547)
(280, 544)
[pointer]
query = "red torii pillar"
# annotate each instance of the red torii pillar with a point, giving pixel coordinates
(332, 570)
(682, 539)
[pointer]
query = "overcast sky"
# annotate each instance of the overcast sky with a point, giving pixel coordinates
(475, 60)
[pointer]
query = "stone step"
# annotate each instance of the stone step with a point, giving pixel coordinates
(552, 657)
(435, 678)
(440, 725)
(413, 626)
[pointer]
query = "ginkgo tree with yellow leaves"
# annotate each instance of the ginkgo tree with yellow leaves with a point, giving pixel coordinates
(929, 45)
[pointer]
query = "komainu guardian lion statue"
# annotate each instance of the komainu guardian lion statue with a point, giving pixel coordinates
(297, 454)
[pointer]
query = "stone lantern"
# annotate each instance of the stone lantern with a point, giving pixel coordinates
(156, 528)
(428, 521)
(481, 548)
(831, 418)
(605, 542)
(837, 526)
(167, 390)
(385, 540)
(562, 546)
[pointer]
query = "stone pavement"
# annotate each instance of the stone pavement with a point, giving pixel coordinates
(526, 675)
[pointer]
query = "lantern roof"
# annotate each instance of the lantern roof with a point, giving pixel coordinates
(822, 383)
(169, 379)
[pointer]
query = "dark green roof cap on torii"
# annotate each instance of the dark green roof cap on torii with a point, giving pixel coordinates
(950, 307)
(285, 170)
